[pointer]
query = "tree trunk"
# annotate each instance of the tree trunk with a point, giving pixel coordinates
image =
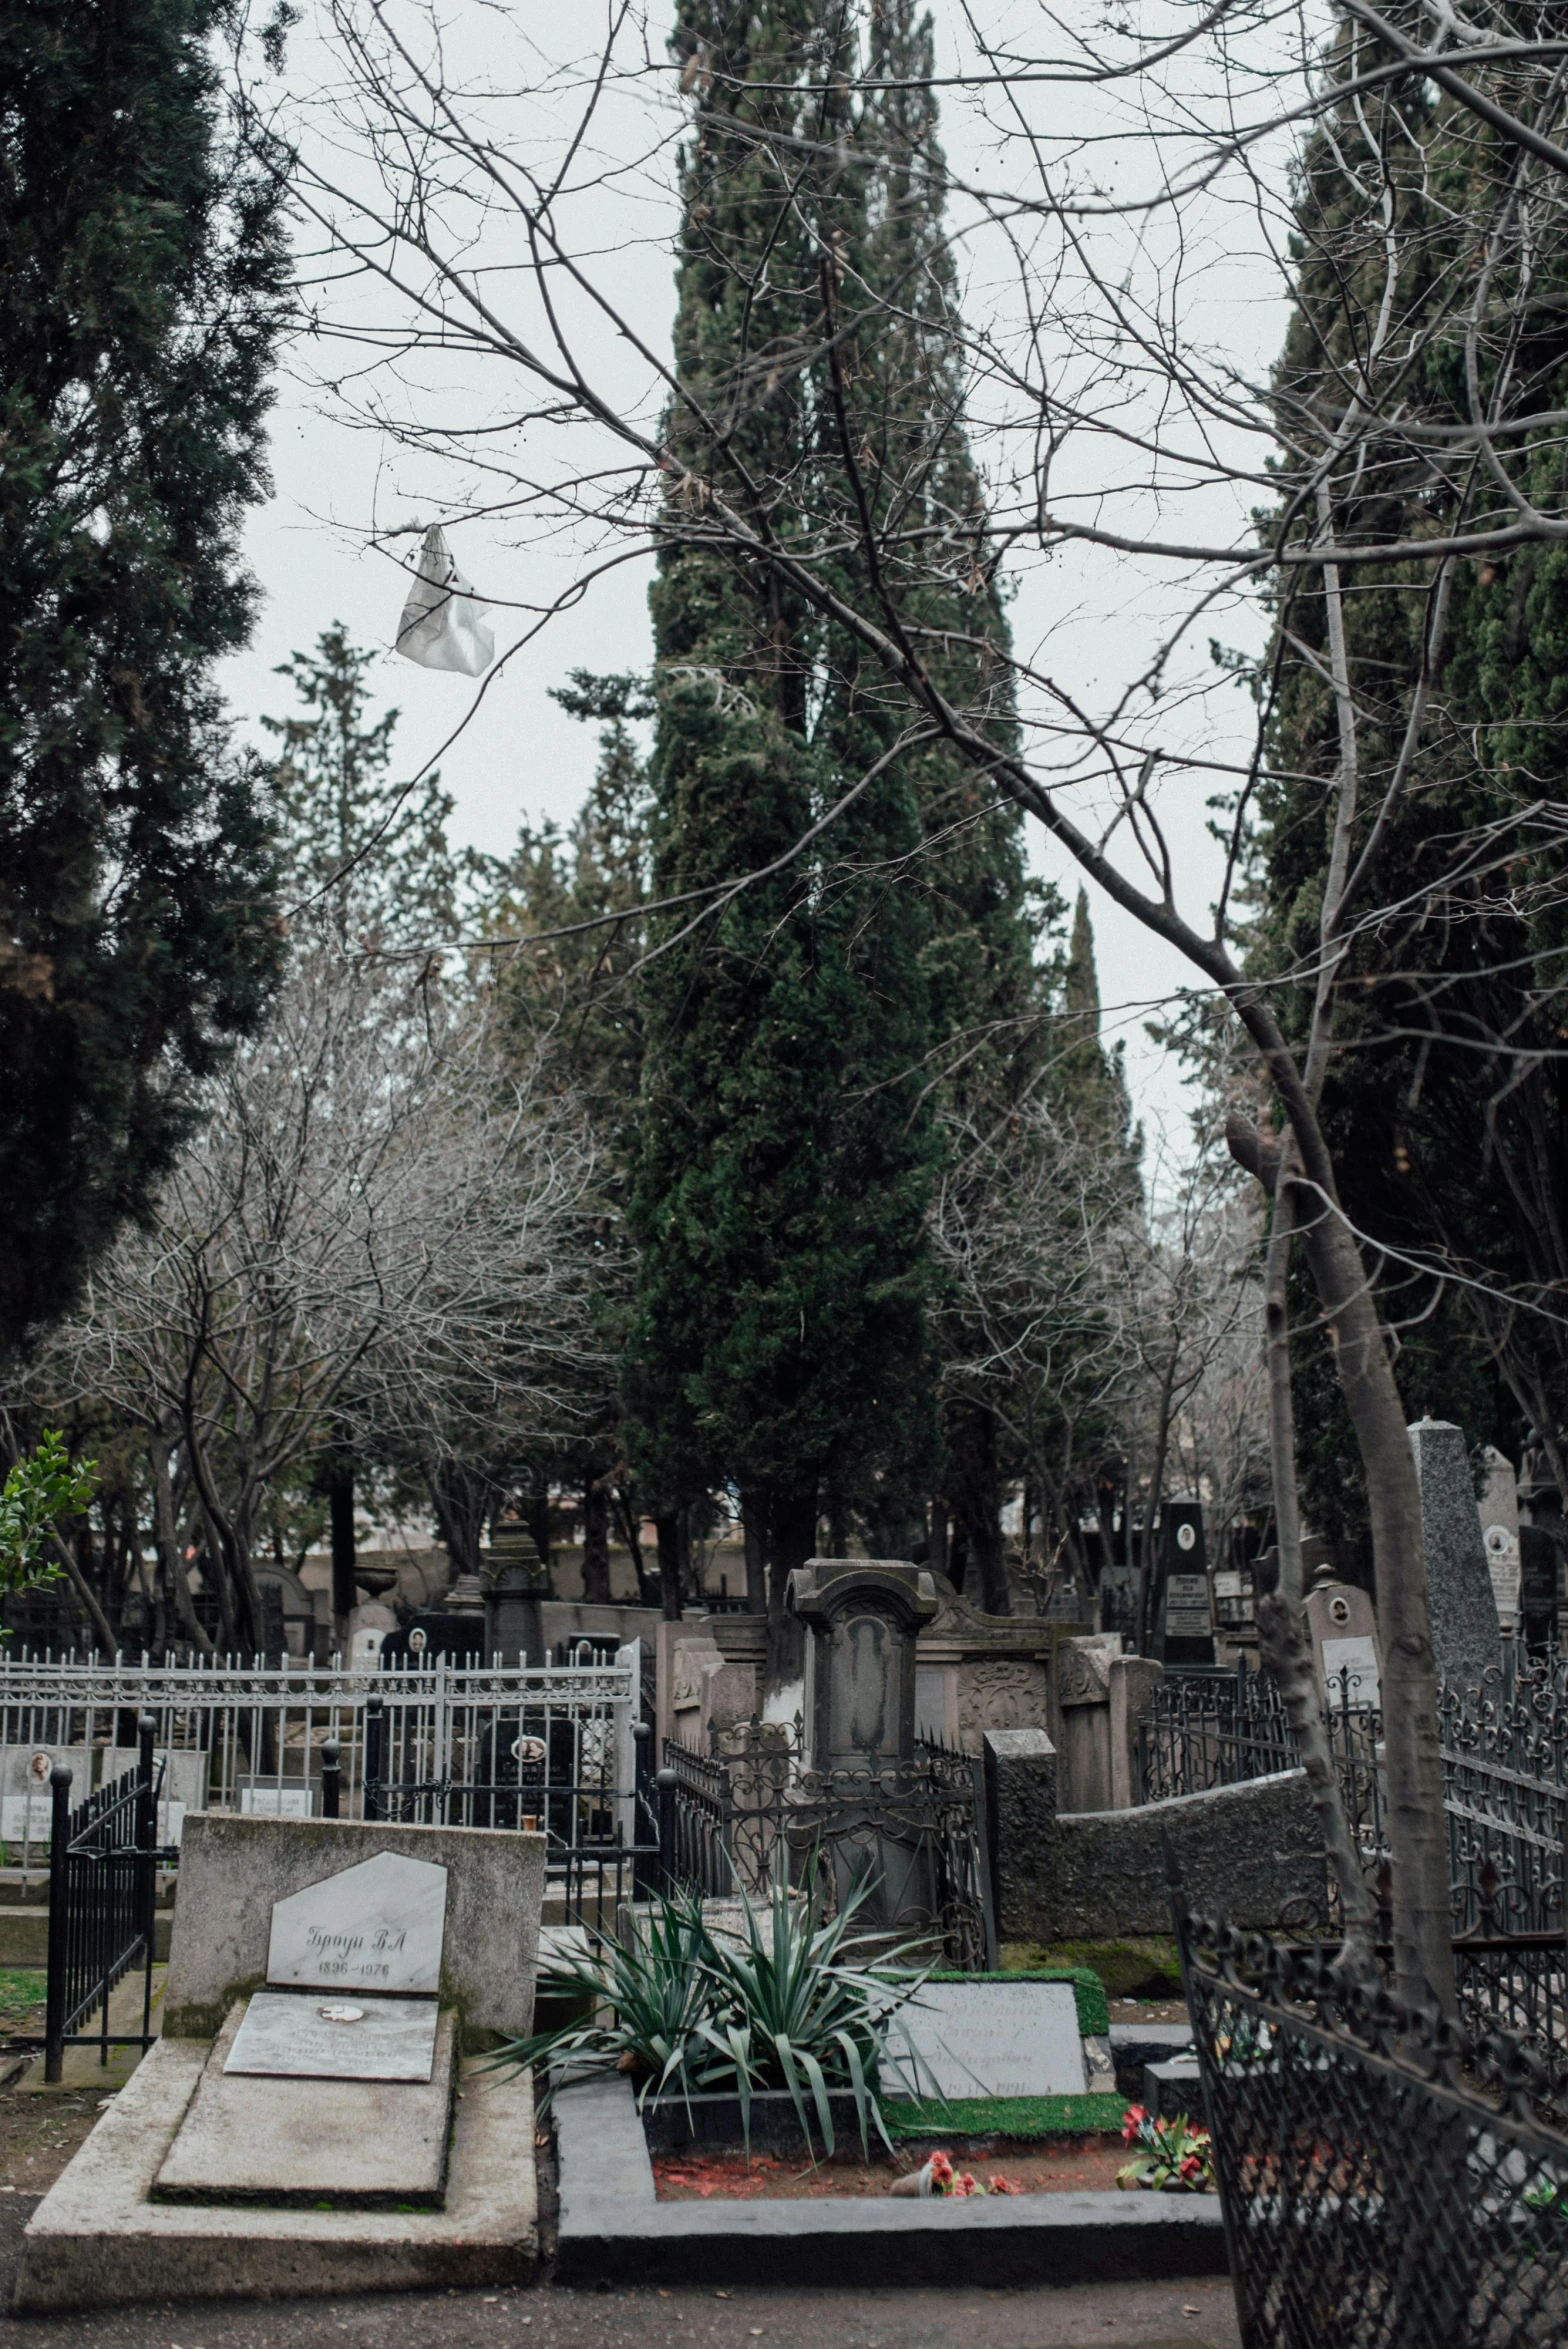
(101, 1629)
(629, 1521)
(792, 1539)
(978, 1503)
(754, 1531)
(1282, 1406)
(667, 1527)
(938, 1536)
(340, 1503)
(170, 1549)
(596, 1541)
(1418, 1828)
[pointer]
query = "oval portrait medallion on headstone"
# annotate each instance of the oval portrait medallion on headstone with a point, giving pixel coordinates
(39, 1767)
(1186, 1537)
(341, 2014)
(528, 1749)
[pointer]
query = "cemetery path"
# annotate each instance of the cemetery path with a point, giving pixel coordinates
(1113, 2316)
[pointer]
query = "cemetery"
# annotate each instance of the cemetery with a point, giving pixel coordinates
(750, 1992)
(783, 1175)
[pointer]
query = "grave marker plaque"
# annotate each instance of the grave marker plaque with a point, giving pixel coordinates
(375, 1927)
(984, 2038)
(285, 2035)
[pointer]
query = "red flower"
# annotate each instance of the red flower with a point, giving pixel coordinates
(1132, 2121)
(941, 2172)
(964, 2186)
(1191, 2167)
(1000, 2185)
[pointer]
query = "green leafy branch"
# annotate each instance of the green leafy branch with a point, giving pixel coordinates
(39, 1490)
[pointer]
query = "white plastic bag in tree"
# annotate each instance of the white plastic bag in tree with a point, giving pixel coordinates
(444, 625)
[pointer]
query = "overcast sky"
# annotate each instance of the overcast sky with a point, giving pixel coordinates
(1088, 618)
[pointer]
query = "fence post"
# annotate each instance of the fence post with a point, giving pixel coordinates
(644, 1867)
(331, 1778)
(373, 1729)
(667, 1783)
(59, 1840)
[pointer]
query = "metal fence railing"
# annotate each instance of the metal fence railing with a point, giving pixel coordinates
(430, 1742)
(751, 1814)
(1388, 2182)
(1505, 1776)
(103, 1865)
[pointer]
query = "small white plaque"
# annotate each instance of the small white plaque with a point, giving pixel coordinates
(375, 1927)
(274, 1802)
(1351, 1665)
(294, 2034)
(991, 2039)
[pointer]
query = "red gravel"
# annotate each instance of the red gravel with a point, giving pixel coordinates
(1068, 2165)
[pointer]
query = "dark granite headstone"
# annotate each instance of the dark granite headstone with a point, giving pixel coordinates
(1183, 1608)
(1465, 1636)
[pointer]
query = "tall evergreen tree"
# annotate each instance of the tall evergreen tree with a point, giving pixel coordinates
(796, 1039)
(1446, 1096)
(141, 272)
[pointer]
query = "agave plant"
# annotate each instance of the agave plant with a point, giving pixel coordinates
(791, 2012)
(646, 2000)
(687, 2011)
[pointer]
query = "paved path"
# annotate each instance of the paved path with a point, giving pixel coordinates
(1131, 2316)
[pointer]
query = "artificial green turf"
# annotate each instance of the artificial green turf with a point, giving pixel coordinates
(1003, 2116)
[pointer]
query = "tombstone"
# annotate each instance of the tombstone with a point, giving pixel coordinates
(285, 2102)
(862, 1617)
(516, 1584)
(1343, 1630)
(1500, 1535)
(1183, 1608)
(982, 2038)
(1458, 1583)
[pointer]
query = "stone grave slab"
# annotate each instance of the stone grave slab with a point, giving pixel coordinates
(291, 2035)
(981, 2038)
(358, 2144)
(378, 1926)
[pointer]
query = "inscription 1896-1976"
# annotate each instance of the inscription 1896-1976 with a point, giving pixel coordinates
(359, 1954)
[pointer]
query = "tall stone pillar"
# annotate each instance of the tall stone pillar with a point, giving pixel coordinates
(1465, 1637)
(516, 1583)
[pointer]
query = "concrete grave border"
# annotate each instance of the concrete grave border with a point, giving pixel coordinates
(614, 2229)
(97, 2240)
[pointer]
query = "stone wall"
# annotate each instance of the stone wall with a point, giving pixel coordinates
(1250, 1853)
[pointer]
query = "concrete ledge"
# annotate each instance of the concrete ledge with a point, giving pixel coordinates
(614, 2229)
(98, 2241)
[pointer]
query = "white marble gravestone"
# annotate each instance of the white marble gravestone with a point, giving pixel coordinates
(375, 1927)
(980, 2038)
(353, 1968)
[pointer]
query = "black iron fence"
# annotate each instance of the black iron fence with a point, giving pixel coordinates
(749, 1814)
(1212, 1728)
(1505, 1776)
(103, 1871)
(1388, 2182)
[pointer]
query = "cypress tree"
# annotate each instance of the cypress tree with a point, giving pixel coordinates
(806, 1049)
(1445, 1098)
(141, 268)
